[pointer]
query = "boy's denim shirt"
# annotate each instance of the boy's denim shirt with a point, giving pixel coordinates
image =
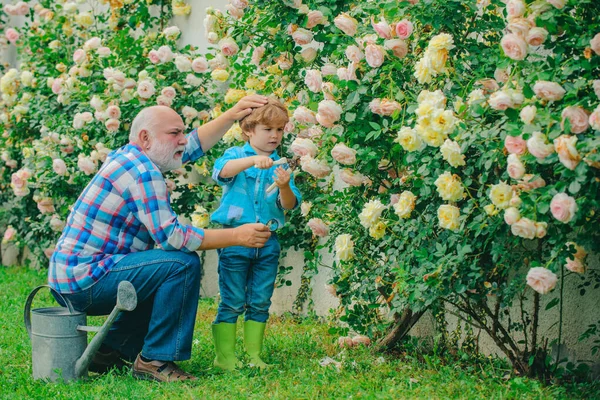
(245, 199)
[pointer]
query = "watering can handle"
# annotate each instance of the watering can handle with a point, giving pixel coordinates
(27, 312)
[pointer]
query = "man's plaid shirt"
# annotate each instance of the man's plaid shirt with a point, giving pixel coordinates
(124, 209)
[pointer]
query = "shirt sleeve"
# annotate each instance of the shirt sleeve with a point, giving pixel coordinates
(148, 200)
(193, 149)
(230, 154)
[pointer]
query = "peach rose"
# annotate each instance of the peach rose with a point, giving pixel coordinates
(384, 107)
(257, 55)
(541, 229)
(511, 215)
(113, 112)
(545, 90)
(578, 118)
(382, 28)
(228, 46)
(199, 65)
(515, 9)
(329, 113)
(565, 146)
(318, 227)
(308, 54)
(541, 279)
(501, 100)
(563, 207)
(374, 55)
(59, 166)
(346, 24)
(530, 182)
(536, 36)
(302, 147)
(595, 44)
(304, 116)
(313, 80)
(398, 47)
(343, 154)
(328, 69)
(92, 44)
(352, 178)
(514, 46)
(354, 53)
(11, 35)
(404, 29)
(538, 146)
(79, 56)
(112, 125)
(316, 168)
(594, 119)
(56, 223)
(557, 3)
(46, 206)
(515, 144)
(302, 36)
(527, 114)
(9, 234)
(314, 18)
(103, 52)
(524, 228)
(515, 167)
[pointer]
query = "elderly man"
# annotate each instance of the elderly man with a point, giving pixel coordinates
(122, 227)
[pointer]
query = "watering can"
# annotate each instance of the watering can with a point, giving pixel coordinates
(58, 335)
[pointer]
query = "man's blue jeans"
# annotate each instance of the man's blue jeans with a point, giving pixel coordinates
(162, 324)
(247, 280)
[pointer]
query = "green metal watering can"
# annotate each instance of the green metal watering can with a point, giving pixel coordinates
(59, 347)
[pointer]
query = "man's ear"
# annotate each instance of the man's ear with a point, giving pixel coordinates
(144, 139)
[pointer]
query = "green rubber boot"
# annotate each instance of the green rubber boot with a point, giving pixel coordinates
(224, 339)
(253, 340)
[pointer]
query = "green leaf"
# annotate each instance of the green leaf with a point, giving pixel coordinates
(552, 303)
(574, 187)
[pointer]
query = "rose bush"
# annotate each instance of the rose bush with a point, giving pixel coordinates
(464, 136)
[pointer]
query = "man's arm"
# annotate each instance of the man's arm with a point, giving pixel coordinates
(248, 235)
(210, 133)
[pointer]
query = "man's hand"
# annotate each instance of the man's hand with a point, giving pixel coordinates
(245, 106)
(263, 162)
(252, 235)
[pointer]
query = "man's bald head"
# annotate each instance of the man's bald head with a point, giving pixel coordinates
(148, 119)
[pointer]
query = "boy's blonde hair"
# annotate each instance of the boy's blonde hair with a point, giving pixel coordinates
(272, 114)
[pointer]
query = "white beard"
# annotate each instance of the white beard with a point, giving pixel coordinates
(164, 158)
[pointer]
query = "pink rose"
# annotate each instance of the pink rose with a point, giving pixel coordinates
(384, 107)
(527, 114)
(86, 165)
(347, 74)
(103, 51)
(541, 279)
(200, 65)
(113, 112)
(536, 36)
(169, 92)
(398, 47)
(404, 29)
(515, 167)
(594, 44)
(596, 86)
(343, 154)
(538, 145)
(501, 75)
(489, 85)
(228, 46)
(374, 55)
(314, 18)
(304, 116)
(234, 12)
(530, 182)
(165, 54)
(153, 57)
(328, 90)
(112, 124)
(318, 227)
(524, 228)
(563, 207)
(515, 9)
(511, 215)
(382, 28)
(346, 24)
(163, 100)
(545, 90)
(354, 53)
(92, 43)
(578, 118)
(145, 89)
(501, 100)
(314, 167)
(313, 80)
(557, 3)
(57, 86)
(330, 69)
(46, 206)
(302, 36)
(565, 146)
(594, 119)
(329, 113)
(257, 55)
(519, 27)
(352, 178)
(514, 46)
(79, 56)
(541, 229)
(9, 234)
(241, 4)
(308, 54)
(59, 166)
(302, 147)
(575, 265)
(515, 144)
(12, 35)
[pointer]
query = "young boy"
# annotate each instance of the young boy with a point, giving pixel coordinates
(247, 276)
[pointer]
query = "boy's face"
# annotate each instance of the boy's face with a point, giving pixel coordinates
(264, 139)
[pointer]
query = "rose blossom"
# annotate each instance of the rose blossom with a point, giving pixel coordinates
(501, 100)
(557, 3)
(328, 69)
(113, 112)
(382, 28)
(46, 206)
(314, 167)
(79, 56)
(374, 55)
(352, 178)
(343, 154)
(595, 44)
(565, 146)
(92, 44)
(329, 113)
(308, 54)
(536, 36)
(511, 215)
(346, 24)
(527, 114)
(313, 80)
(12, 35)
(524, 228)
(538, 145)
(257, 54)
(354, 53)
(404, 29)
(515, 9)
(530, 182)
(9, 235)
(515, 167)
(318, 227)
(541, 279)
(103, 52)
(548, 90)
(302, 147)
(304, 116)
(112, 124)
(514, 46)
(314, 18)
(563, 207)
(153, 57)
(515, 144)
(302, 36)
(577, 117)
(165, 54)
(56, 223)
(183, 64)
(398, 47)
(384, 107)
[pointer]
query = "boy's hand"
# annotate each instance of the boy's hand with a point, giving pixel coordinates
(245, 106)
(282, 177)
(263, 162)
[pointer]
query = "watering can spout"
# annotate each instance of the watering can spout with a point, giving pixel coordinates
(126, 301)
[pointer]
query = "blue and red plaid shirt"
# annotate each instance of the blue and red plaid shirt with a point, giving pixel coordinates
(124, 209)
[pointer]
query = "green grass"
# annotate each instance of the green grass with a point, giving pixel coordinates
(294, 346)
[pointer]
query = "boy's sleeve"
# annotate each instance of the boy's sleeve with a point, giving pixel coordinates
(230, 154)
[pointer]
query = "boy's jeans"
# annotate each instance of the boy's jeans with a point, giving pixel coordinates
(162, 324)
(247, 280)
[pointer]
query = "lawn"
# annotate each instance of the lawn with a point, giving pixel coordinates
(295, 347)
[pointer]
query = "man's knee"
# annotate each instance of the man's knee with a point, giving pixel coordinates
(191, 261)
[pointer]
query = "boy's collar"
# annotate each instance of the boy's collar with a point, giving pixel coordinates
(249, 150)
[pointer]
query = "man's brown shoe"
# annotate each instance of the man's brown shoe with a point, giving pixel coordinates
(161, 371)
